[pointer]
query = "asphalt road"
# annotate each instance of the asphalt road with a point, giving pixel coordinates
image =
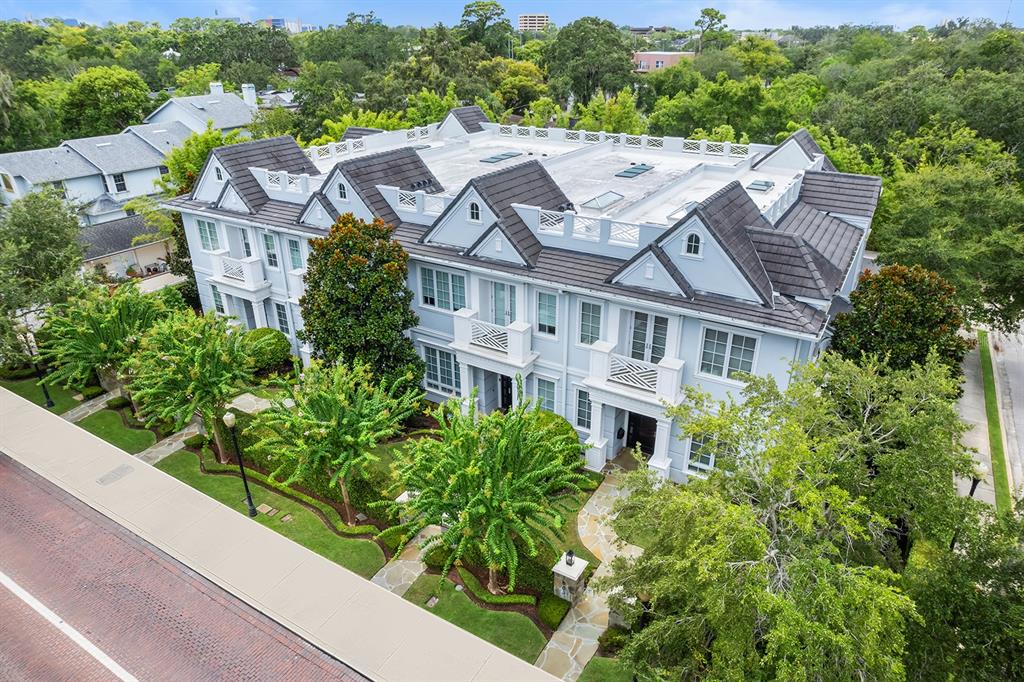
(83, 599)
(1008, 358)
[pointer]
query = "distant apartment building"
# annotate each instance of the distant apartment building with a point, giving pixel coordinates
(645, 62)
(533, 22)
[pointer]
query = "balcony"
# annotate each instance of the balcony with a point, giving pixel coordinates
(241, 274)
(655, 382)
(509, 345)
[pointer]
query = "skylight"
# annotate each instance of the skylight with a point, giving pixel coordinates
(633, 171)
(761, 185)
(500, 157)
(602, 200)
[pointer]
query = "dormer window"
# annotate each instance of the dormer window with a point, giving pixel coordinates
(474, 212)
(342, 191)
(219, 173)
(693, 245)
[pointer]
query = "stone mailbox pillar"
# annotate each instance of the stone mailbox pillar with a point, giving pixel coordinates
(569, 577)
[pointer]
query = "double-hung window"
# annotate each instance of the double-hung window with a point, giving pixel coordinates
(119, 184)
(218, 300)
(208, 235)
(590, 322)
(282, 318)
(546, 394)
(441, 289)
(442, 373)
(271, 247)
(725, 354)
(295, 254)
(701, 457)
(583, 409)
(547, 313)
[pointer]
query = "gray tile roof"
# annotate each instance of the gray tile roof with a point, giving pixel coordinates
(162, 137)
(842, 193)
(402, 168)
(47, 165)
(794, 267)
(226, 110)
(834, 238)
(112, 236)
(807, 144)
(470, 118)
(117, 153)
(357, 132)
(273, 153)
(728, 213)
(104, 203)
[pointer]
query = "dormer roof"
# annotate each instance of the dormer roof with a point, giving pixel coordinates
(402, 168)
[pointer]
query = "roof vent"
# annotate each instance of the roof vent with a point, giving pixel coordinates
(103, 144)
(761, 185)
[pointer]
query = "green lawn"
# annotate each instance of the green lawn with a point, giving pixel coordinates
(513, 632)
(995, 431)
(604, 670)
(30, 390)
(306, 528)
(108, 425)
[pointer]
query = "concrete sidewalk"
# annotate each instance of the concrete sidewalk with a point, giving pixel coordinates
(378, 633)
(972, 411)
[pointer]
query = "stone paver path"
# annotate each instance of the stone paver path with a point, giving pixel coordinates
(88, 407)
(575, 642)
(400, 573)
(156, 452)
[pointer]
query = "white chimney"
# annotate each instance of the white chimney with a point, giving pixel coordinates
(249, 94)
(216, 88)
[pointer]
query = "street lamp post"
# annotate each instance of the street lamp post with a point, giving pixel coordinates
(229, 421)
(39, 372)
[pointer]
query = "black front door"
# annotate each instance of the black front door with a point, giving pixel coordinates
(642, 430)
(505, 401)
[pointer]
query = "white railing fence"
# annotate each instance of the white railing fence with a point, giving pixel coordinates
(488, 335)
(635, 373)
(233, 269)
(733, 150)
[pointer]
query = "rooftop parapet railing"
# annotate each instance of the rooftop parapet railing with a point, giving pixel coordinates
(332, 152)
(731, 150)
(417, 206)
(286, 186)
(603, 235)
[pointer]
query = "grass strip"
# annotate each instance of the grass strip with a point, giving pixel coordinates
(995, 431)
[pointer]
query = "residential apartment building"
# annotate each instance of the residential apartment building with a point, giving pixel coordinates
(533, 22)
(645, 62)
(607, 270)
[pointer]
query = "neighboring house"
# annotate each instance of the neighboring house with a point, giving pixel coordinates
(226, 110)
(645, 62)
(608, 271)
(111, 248)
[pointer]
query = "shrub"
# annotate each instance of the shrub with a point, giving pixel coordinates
(90, 392)
(552, 609)
(196, 441)
(613, 640)
(561, 427)
(434, 558)
(119, 403)
(535, 571)
(481, 593)
(17, 373)
(273, 353)
(373, 486)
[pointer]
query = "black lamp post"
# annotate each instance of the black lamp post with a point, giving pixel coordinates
(229, 421)
(979, 475)
(39, 375)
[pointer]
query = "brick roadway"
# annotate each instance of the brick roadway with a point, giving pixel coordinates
(152, 615)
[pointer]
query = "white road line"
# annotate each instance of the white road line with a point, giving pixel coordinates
(73, 634)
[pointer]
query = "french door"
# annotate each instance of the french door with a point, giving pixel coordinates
(648, 335)
(503, 303)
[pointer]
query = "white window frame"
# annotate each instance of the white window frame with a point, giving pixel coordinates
(279, 310)
(658, 63)
(437, 386)
(579, 322)
(270, 249)
(576, 413)
(700, 245)
(212, 242)
(695, 467)
(537, 378)
(218, 301)
(342, 192)
(119, 187)
(297, 253)
(725, 379)
(451, 288)
(469, 212)
(554, 334)
(218, 174)
(246, 244)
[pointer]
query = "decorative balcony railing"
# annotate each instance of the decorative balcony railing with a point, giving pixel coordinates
(512, 343)
(488, 335)
(243, 273)
(661, 381)
(415, 207)
(554, 227)
(636, 373)
(731, 150)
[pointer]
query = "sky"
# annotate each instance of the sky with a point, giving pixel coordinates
(741, 14)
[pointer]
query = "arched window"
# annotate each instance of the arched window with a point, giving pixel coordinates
(474, 212)
(219, 173)
(342, 191)
(693, 244)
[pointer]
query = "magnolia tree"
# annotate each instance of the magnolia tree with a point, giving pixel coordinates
(490, 481)
(188, 365)
(329, 422)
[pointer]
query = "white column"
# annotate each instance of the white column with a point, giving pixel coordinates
(659, 461)
(597, 445)
(260, 314)
(466, 383)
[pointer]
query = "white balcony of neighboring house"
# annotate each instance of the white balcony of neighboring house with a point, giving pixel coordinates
(510, 345)
(241, 275)
(656, 383)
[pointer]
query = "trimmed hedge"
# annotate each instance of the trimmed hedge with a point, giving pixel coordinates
(434, 557)
(481, 593)
(552, 609)
(196, 441)
(17, 373)
(275, 352)
(613, 640)
(118, 403)
(90, 392)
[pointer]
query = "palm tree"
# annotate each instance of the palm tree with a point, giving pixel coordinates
(330, 421)
(490, 480)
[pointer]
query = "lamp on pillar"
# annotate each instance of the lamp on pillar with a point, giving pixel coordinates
(570, 557)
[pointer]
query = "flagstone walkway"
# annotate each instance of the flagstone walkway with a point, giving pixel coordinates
(575, 642)
(400, 573)
(88, 407)
(167, 446)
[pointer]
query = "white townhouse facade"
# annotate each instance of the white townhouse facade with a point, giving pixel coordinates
(607, 270)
